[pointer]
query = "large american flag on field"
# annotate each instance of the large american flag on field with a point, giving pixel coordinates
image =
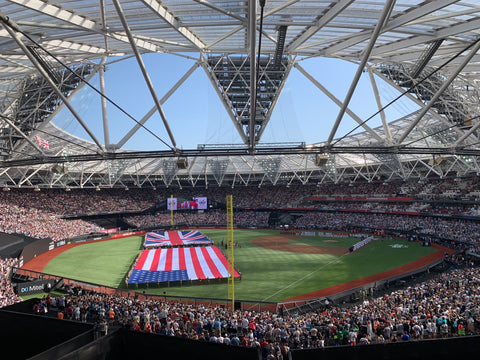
(183, 263)
(176, 238)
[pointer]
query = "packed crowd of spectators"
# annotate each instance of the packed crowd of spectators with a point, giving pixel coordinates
(425, 188)
(462, 231)
(383, 206)
(7, 293)
(114, 200)
(79, 201)
(35, 223)
(370, 206)
(447, 305)
(209, 218)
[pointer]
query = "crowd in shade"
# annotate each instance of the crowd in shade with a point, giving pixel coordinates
(464, 231)
(447, 305)
(7, 293)
(412, 208)
(33, 222)
(213, 217)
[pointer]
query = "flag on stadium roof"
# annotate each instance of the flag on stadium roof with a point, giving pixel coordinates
(176, 238)
(184, 263)
(42, 142)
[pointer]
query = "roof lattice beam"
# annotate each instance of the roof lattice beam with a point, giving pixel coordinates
(80, 21)
(381, 22)
(162, 12)
(221, 10)
(397, 22)
(453, 30)
(144, 71)
(337, 101)
(252, 25)
(321, 22)
(18, 40)
(386, 128)
(440, 91)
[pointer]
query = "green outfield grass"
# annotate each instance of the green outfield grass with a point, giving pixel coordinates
(104, 262)
(267, 275)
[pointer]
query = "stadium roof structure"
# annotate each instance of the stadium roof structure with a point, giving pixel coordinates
(425, 51)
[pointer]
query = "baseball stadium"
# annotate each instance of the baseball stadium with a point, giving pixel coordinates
(268, 180)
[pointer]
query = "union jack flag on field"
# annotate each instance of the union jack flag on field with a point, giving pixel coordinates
(176, 238)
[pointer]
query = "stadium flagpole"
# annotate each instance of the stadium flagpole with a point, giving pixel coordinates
(231, 278)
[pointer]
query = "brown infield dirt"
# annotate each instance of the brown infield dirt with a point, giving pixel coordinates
(280, 243)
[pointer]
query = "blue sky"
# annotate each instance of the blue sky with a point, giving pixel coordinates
(196, 115)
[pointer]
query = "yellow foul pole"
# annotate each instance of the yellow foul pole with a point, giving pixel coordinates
(231, 279)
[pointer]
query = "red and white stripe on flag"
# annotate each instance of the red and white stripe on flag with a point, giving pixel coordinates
(42, 142)
(200, 262)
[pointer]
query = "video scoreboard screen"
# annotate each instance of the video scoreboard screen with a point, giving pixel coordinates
(194, 203)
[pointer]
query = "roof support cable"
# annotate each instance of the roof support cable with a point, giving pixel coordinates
(262, 6)
(409, 90)
(5, 19)
(50, 135)
(12, 31)
(254, 82)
